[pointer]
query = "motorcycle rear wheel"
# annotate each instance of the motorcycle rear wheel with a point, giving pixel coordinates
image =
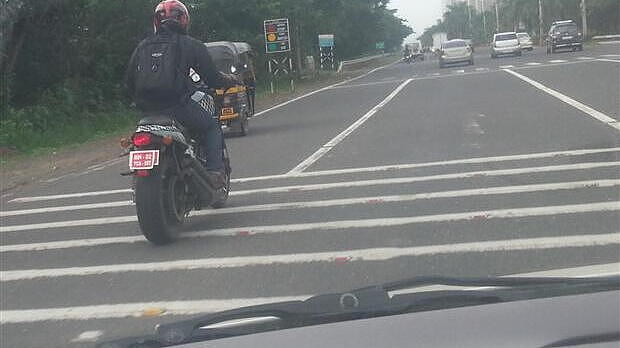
(160, 206)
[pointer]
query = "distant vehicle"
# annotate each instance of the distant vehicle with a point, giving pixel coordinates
(455, 51)
(438, 40)
(525, 41)
(564, 34)
(415, 52)
(505, 43)
(470, 43)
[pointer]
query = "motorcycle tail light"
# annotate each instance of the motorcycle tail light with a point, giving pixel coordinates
(142, 139)
(142, 173)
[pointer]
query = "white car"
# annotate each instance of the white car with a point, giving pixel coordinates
(455, 51)
(505, 43)
(525, 41)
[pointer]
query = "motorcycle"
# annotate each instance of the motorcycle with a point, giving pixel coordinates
(169, 177)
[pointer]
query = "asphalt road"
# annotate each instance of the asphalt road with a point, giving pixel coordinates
(508, 166)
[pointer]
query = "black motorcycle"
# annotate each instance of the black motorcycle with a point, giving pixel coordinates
(170, 179)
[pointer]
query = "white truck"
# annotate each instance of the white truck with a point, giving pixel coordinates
(438, 40)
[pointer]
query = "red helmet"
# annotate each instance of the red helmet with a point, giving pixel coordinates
(171, 11)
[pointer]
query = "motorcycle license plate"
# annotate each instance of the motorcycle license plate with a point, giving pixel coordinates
(141, 160)
(227, 111)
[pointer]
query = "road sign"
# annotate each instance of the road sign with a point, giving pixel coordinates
(380, 45)
(326, 40)
(277, 35)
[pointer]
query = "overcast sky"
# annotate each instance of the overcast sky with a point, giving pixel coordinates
(420, 14)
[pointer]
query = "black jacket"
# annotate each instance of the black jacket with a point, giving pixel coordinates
(193, 55)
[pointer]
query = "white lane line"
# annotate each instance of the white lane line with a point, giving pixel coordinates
(340, 137)
(609, 43)
(364, 200)
(261, 113)
(390, 82)
(409, 180)
(481, 69)
(69, 195)
(611, 55)
(586, 58)
(373, 254)
(135, 310)
(336, 225)
(460, 71)
(533, 64)
(608, 60)
(88, 336)
(558, 61)
(506, 66)
(65, 208)
(195, 307)
(572, 102)
(324, 186)
(476, 160)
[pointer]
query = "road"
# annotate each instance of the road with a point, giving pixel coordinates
(508, 166)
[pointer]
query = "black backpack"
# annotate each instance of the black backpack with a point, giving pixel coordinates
(159, 74)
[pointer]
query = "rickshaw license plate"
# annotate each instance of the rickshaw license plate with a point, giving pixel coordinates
(228, 111)
(141, 160)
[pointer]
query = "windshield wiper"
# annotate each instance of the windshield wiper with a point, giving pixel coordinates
(368, 302)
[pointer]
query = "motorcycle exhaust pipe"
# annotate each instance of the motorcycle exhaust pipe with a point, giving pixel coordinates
(203, 185)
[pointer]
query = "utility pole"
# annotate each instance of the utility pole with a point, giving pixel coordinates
(584, 19)
(484, 20)
(540, 24)
(496, 17)
(469, 15)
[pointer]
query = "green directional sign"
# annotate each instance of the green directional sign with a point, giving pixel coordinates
(380, 45)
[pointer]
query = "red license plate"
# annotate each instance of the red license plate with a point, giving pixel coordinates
(141, 160)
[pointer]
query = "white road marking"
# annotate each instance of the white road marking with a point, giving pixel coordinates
(323, 186)
(481, 69)
(586, 58)
(436, 74)
(65, 208)
(69, 195)
(572, 102)
(608, 60)
(88, 336)
(361, 200)
(558, 61)
(506, 66)
(533, 63)
(460, 71)
(609, 43)
(389, 82)
(611, 55)
(135, 310)
(335, 225)
(261, 113)
(476, 160)
(409, 180)
(340, 137)
(196, 307)
(373, 254)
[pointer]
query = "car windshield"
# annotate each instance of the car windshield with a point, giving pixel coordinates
(455, 44)
(505, 37)
(162, 160)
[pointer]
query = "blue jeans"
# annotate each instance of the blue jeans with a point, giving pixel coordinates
(206, 127)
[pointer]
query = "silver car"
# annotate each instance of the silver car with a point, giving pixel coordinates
(455, 51)
(505, 43)
(525, 41)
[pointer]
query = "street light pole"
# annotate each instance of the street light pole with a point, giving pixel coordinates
(540, 23)
(584, 19)
(484, 19)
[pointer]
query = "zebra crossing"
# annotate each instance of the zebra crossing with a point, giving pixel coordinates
(290, 226)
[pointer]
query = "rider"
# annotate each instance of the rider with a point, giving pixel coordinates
(406, 52)
(171, 21)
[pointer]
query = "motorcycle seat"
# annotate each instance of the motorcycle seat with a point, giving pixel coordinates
(157, 120)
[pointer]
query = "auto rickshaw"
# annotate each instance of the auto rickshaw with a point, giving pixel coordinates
(236, 104)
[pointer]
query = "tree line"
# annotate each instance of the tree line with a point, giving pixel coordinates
(63, 61)
(522, 15)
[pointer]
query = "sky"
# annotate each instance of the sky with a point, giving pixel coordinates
(420, 14)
